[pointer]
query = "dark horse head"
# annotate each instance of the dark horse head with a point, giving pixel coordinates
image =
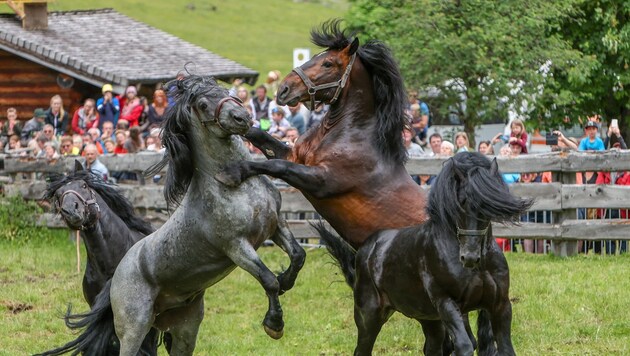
(200, 104)
(363, 79)
(466, 196)
(75, 197)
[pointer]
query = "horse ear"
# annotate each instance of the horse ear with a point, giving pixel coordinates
(494, 167)
(78, 167)
(354, 46)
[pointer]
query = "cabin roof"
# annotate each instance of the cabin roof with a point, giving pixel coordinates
(104, 46)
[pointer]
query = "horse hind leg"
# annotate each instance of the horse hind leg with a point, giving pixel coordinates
(244, 255)
(184, 325)
(133, 315)
(285, 239)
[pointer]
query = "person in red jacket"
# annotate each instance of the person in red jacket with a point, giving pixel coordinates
(131, 107)
(85, 118)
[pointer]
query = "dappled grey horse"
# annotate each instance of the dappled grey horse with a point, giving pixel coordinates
(162, 279)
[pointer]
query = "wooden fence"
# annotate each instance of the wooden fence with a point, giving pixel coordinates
(562, 197)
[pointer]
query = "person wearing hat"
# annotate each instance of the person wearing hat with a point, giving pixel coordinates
(591, 142)
(108, 107)
(279, 124)
(32, 126)
(132, 108)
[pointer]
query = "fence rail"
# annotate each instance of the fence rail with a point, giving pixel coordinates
(562, 197)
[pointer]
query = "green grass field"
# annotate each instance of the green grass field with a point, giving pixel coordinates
(575, 306)
(258, 34)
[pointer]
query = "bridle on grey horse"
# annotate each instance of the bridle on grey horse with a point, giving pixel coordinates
(312, 88)
(217, 111)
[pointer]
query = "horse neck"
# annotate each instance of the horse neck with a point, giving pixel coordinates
(355, 107)
(210, 154)
(108, 240)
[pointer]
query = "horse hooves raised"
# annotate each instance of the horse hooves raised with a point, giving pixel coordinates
(225, 177)
(272, 333)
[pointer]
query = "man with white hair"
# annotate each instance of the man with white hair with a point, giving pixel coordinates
(93, 164)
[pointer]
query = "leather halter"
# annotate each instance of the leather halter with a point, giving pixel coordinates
(482, 233)
(312, 88)
(86, 202)
(217, 111)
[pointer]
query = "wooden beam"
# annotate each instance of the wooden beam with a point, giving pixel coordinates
(36, 16)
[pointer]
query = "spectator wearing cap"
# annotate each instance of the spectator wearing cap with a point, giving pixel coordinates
(279, 124)
(131, 107)
(108, 107)
(591, 142)
(33, 126)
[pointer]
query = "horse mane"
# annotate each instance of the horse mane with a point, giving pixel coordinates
(390, 97)
(486, 192)
(115, 201)
(175, 128)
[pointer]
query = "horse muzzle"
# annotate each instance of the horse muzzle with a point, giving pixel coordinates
(470, 260)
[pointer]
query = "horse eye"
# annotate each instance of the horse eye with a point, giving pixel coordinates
(327, 64)
(84, 186)
(203, 106)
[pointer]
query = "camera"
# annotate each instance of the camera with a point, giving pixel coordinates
(551, 139)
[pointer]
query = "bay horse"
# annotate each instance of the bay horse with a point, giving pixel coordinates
(436, 271)
(108, 227)
(352, 167)
(162, 279)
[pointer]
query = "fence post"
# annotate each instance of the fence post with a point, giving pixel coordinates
(564, 248)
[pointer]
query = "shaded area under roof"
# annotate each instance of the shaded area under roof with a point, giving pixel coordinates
(82, 44)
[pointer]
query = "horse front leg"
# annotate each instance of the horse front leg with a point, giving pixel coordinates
(284, 238)
(267, 144)
(501, 320)
(244, 255)
(314, 180)
(436, 341)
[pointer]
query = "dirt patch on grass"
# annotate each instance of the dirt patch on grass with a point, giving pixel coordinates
(16, 307)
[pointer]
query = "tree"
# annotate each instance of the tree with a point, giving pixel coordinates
(483, 57)
(600, 30)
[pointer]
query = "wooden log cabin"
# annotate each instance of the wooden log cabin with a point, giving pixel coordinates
(47, 53)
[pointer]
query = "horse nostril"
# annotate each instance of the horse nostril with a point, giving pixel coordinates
(478, 260)
(76, 205)
(461, 258)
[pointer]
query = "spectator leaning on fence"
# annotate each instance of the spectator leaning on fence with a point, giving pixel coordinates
(93, 164)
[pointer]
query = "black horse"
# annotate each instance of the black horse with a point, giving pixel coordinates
(105, 218)
(162, 279)
(108, 226)
(436, 271)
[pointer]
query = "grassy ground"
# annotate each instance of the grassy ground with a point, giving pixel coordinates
(576, 306)
(258, 34)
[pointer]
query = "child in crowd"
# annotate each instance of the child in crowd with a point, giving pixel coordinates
(517, 134)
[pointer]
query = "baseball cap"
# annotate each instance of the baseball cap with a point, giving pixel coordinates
(591, 124)
(107, 87)
(277, 110)
(39, 112)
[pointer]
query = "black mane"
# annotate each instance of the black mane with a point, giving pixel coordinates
(115, 201)
(174, 135)
(487, 192)
(389, 92)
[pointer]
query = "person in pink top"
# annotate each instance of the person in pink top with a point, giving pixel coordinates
(85, 117)
(131, 107)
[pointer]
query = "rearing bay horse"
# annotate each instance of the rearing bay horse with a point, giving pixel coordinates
(351, 168)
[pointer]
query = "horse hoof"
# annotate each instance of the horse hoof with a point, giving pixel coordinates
(273, 334)
(227, 179)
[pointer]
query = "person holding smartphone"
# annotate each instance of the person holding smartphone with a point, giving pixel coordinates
(614, 138)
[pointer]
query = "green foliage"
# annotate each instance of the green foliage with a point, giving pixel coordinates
(479, 58)
(258, 34)
(600, 30)
(573, 306)
(18, 221)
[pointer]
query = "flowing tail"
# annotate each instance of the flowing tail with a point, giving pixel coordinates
(485, 337)
(99, 337)
(339, 250)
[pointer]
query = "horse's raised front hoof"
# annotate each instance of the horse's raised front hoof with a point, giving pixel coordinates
(230, 176)
(273, 333)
